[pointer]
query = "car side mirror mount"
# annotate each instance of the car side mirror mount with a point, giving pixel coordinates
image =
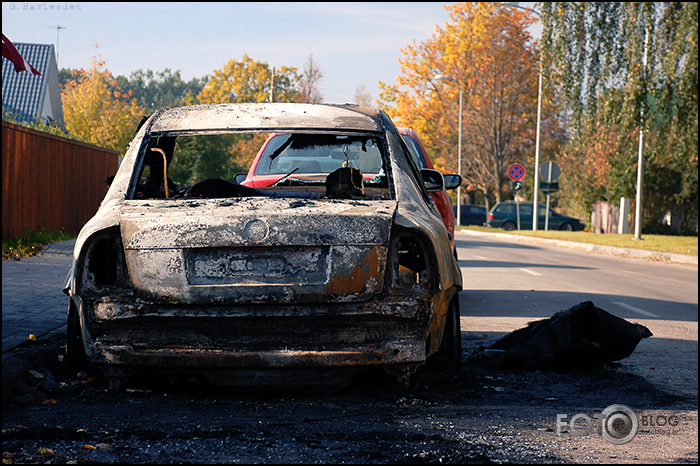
(432, 180)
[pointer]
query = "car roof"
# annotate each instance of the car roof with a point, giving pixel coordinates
(266, 117)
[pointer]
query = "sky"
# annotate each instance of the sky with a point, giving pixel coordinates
(354, 44)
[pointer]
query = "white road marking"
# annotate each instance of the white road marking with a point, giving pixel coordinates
(531, 272)
(634, 309)
(482, 257)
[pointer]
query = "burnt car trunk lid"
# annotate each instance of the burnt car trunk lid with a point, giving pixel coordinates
(256, 250)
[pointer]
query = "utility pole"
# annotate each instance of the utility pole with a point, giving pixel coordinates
(58, 29)
(536, 195)
(272, 85)
(640, 157)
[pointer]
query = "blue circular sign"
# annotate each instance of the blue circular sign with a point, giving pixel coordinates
(516, 172)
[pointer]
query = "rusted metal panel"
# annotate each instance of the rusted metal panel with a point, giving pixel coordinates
(163, 224)
(410, 304)
(384, 330)
(386, 353)
(321, 251)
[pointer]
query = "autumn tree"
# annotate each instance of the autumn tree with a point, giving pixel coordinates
(487, 52)
(237, 82)
(621, 67)
(249, 81)
(308, 83)
(96, 110)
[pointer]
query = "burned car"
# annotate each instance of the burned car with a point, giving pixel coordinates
(307, 279)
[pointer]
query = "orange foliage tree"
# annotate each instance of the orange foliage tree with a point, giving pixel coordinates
(486, 51)
(249, 80)
(95, 109)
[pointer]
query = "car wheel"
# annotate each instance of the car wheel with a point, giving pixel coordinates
(448, 359)
(509, 226)
(566, 227)
(76, 358)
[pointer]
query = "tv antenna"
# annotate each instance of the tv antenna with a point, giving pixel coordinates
(58, 29)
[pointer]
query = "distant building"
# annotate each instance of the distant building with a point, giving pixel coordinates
(27, 96)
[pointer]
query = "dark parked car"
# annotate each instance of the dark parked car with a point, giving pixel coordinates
(452, 181)
(305, 277)
(471, 214)
(505, 215)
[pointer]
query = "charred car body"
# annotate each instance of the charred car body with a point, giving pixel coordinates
(307, 279)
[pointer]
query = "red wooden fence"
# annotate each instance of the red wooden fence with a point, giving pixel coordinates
(49, 182)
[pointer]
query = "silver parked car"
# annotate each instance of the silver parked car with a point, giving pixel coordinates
(308, 279)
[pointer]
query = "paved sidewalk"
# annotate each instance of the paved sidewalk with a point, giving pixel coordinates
(33, 301)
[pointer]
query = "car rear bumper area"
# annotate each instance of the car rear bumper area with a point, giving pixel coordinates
(387, 353)
(389, 333)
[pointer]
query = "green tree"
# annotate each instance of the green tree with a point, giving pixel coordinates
(65, 75)
(201, 157)
(619, 67)
(95, 109)
(162, 89)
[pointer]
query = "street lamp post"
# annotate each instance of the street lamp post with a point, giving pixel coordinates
(640, 157)
(442, 77)
(536, 197)
(536, 200)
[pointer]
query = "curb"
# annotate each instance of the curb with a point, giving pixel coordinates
(622, 252)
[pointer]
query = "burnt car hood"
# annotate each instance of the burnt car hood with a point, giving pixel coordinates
(226, 250)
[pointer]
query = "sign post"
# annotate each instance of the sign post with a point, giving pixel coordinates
(550, 171)
(516, 172)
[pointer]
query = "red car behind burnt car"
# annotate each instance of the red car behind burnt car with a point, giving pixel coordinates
(441, 198)
(257, 178)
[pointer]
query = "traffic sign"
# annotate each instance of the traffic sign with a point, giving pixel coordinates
(549, 186)
(516, 172)
(550, 171)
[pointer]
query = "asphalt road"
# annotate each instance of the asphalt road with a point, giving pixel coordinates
(509, 282)
(483, 415)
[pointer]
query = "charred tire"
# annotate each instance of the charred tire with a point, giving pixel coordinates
(448, 359)
(509, 226)
(76, 359)
(451, 346)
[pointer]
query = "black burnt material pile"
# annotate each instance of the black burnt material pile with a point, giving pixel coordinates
(581, 336)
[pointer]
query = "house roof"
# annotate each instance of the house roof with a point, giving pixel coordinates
(28, 96)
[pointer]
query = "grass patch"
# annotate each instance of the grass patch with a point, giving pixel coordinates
(31, 243)
(687, 245)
